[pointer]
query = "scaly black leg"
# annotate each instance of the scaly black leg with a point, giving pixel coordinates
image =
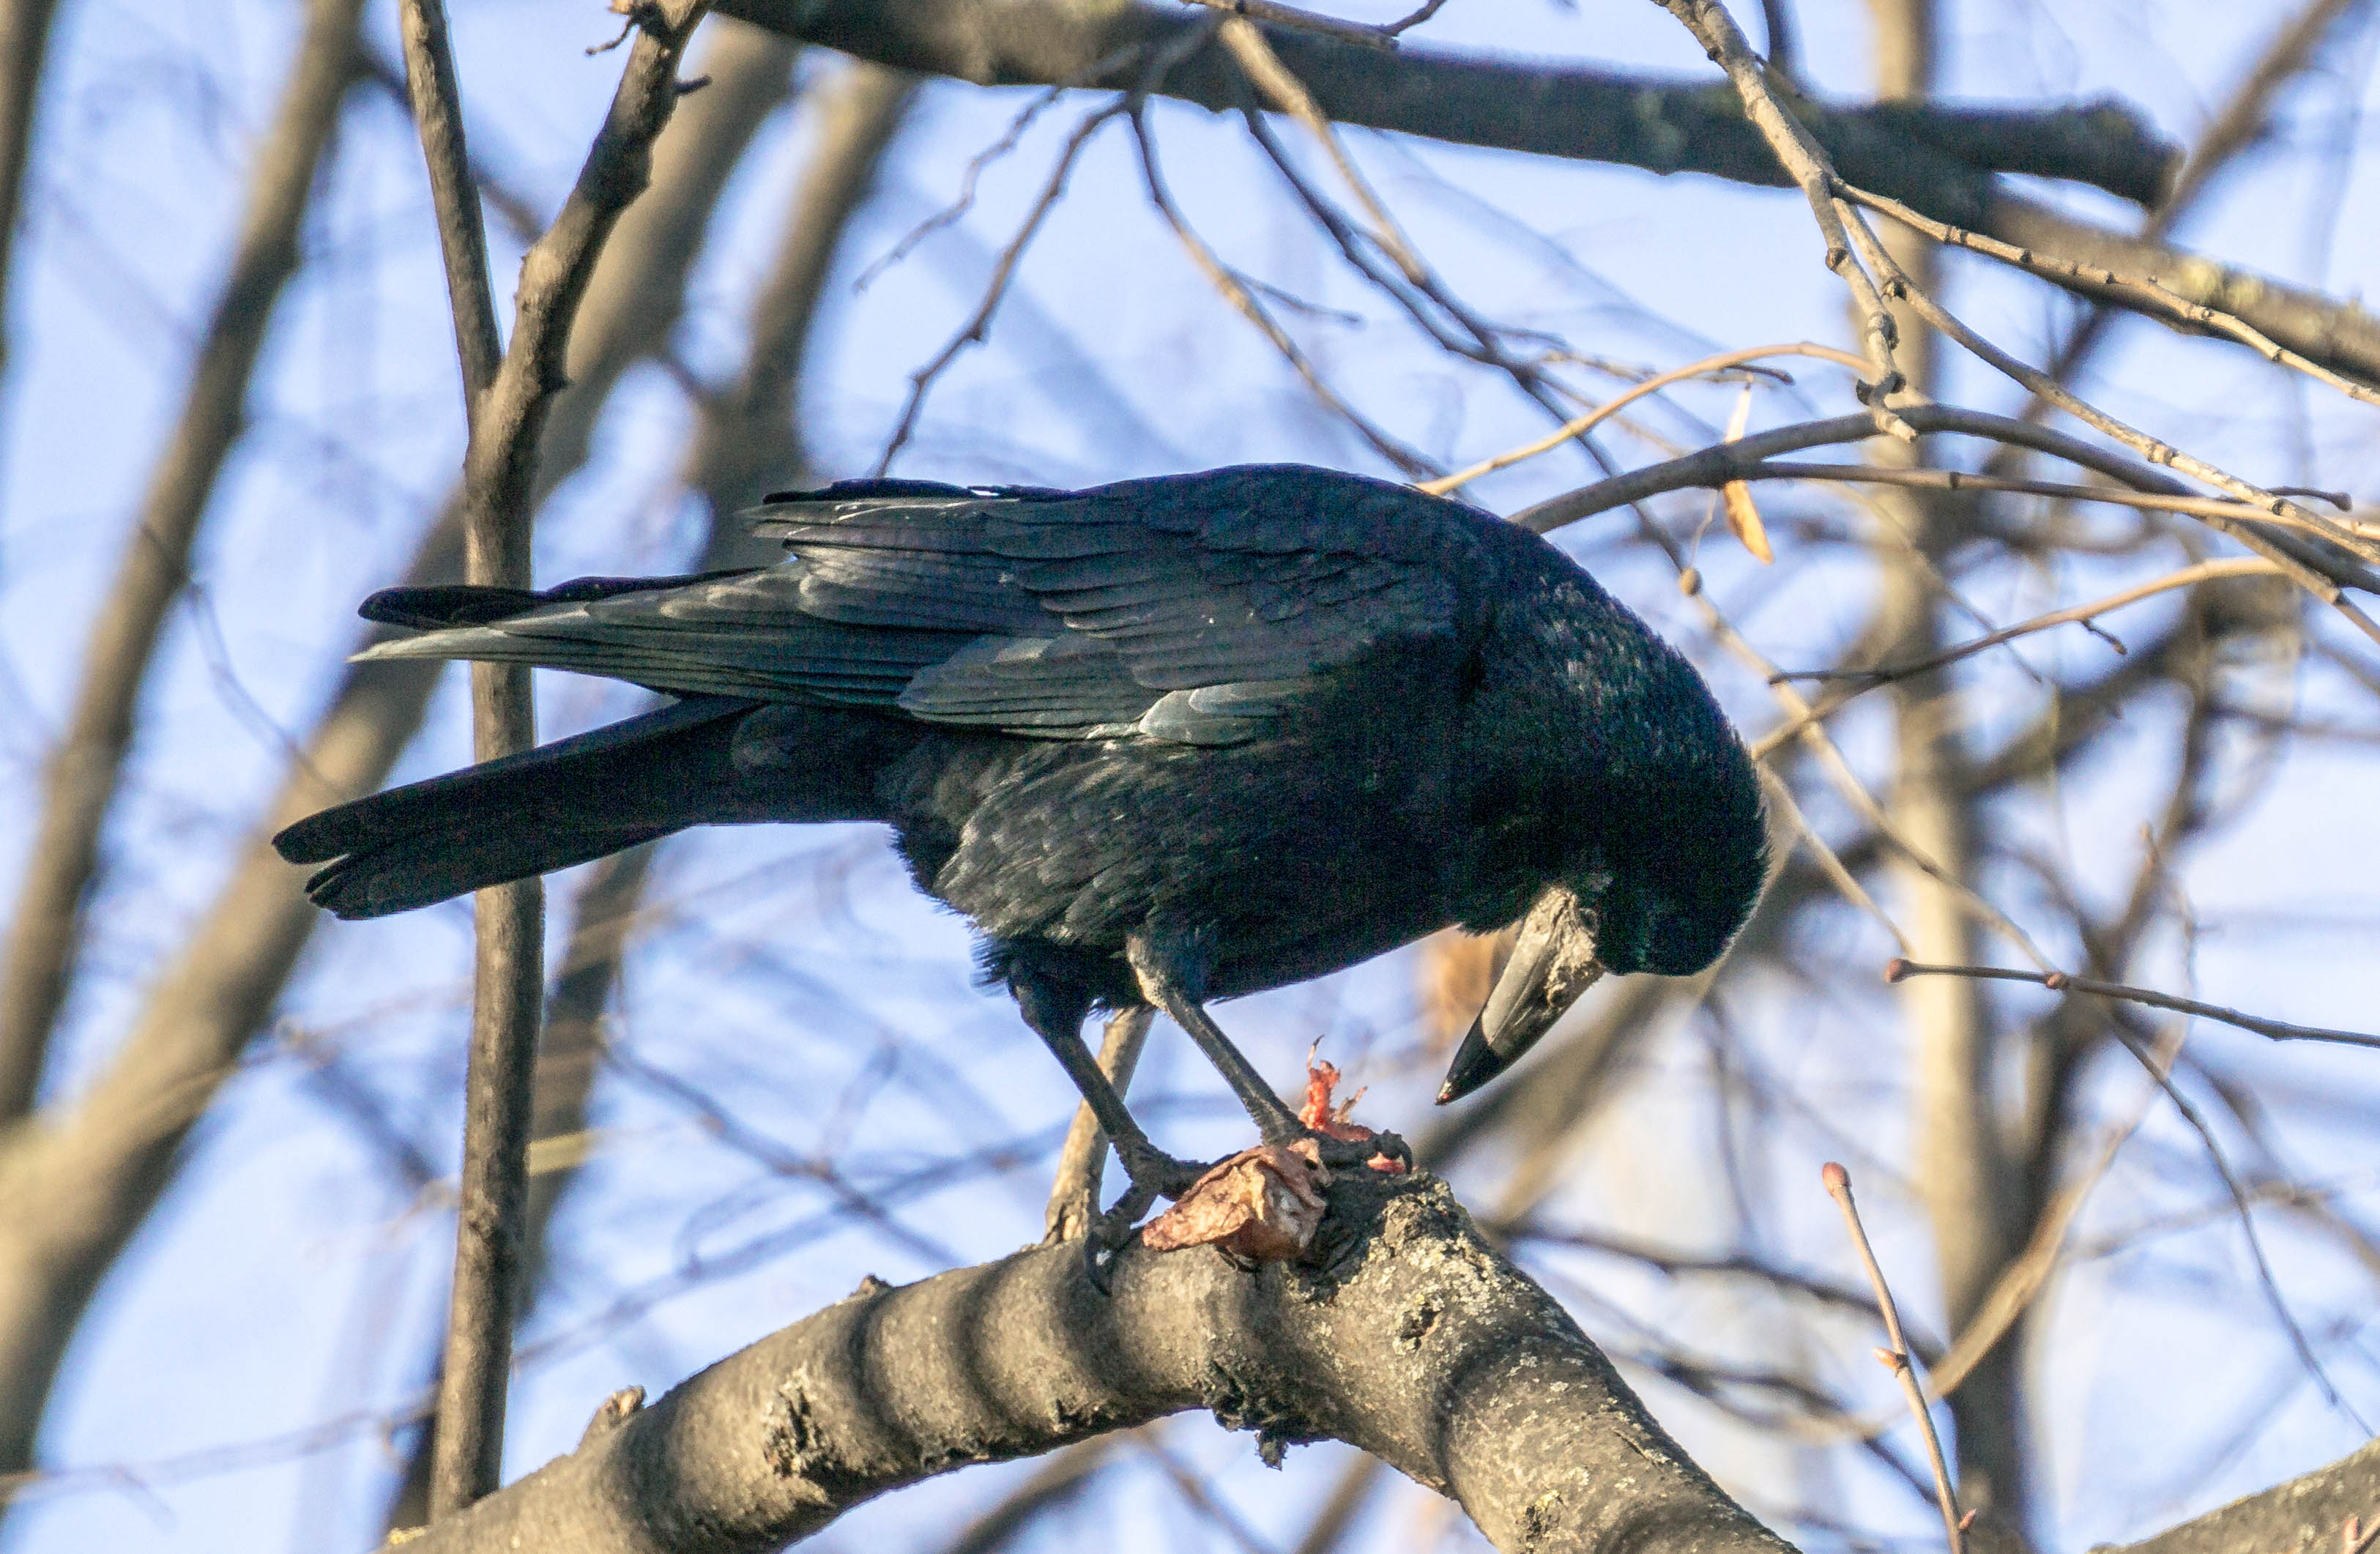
(1171, 982)
(1056, 1014)
(1169, 979)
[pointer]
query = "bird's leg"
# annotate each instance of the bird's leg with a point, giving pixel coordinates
(1057, 1020)
(1167, 980)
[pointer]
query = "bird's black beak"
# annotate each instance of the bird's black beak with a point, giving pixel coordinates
(1553, 961)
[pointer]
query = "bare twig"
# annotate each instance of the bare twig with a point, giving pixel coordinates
(1781, 801)
(2238, 127)
(2320, 572)
(2148, 295)
(1838, 1186)
(963, 200)
(2189, 576)
(2063, 491)
(1074, 1191)
(1806, 723)
(2148, 447)
(2060, 981)
(1581, 425)
(506, 416)
(1236, 293)
(436, 96)
(979, 323)
(1808, 164)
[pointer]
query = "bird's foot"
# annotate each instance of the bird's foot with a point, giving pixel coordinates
(1378, 1151)
(1154, 1175)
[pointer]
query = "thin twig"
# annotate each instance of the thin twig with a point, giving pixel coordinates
(1075, 1187)
(1809, 167)
(1004, 270)
(2232, 1185)
(1806, 722)
(436, 97)
(2189, 576)
(1781, 801)
(2316, 569)
(1412, 20)
(2149, 294)
(1098, 69)
(2061, 982)
(2064, 491)
(1406, 279)
(1838, 1186)
(2150, 448)
(1581, 425)
(1220, 274)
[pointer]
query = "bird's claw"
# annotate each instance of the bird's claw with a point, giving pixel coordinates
(1342, 1154)
(1154, 1175)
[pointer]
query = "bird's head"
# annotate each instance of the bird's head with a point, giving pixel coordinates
(1667, 891)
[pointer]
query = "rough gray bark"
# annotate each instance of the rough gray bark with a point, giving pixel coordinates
(2304, 1515)
(1418, 1343)
(1941, 161)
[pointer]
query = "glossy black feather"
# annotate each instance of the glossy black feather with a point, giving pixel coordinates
(1295, 717)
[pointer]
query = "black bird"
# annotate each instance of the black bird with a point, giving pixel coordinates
(1164, 741)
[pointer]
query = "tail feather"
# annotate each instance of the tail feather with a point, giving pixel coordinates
(427, 608)
(544, 810)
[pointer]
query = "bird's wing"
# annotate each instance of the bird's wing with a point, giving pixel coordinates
(1192, 608)
(1217, 599)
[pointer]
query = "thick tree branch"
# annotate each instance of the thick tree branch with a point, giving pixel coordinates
(1662, 123)
(2304, 1515)
(1939, 161)
(1419, 1344)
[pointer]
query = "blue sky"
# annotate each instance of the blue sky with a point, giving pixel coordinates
(290, 1279)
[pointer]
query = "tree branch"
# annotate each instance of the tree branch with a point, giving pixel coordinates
(744, 443)
(2302, 1516)
(1937, 160)
(75, 1185)
(508, 920)
(24, 46)
(82, 779)
(1419, 1343)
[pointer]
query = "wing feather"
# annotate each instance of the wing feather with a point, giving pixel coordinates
(1195, 608)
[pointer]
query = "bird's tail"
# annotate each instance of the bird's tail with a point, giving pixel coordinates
(546, 809)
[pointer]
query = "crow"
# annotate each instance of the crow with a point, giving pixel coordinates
(1164, 741)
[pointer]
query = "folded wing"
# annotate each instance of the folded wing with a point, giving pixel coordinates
(1196, 609)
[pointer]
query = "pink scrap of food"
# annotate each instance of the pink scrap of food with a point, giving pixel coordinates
(1321, 1078)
